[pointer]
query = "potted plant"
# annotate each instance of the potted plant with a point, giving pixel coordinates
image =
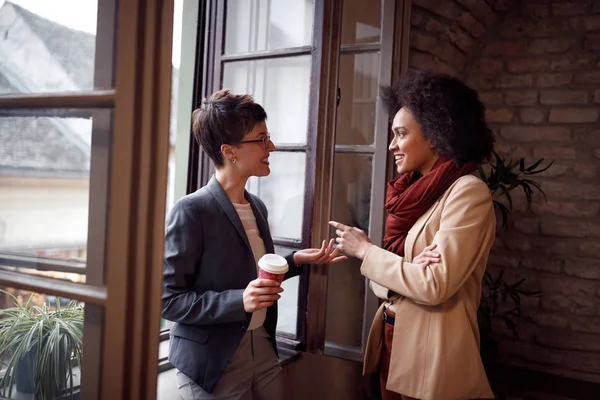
(40, 347)
(501, 300)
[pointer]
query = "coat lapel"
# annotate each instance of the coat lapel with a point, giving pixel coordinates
(414, 232)
(219, 194)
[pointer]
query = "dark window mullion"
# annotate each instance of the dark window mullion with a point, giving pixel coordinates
(83, 99)
(265, 54)
(360, 48)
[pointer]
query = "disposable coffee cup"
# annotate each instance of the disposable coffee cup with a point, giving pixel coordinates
(273, 267)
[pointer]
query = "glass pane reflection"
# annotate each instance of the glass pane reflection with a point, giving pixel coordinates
(345, 284)
(282, 87)
(355, 123)
(283, 193)
(361, 22)
(255, 25)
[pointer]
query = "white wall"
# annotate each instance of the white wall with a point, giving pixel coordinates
(43, 212)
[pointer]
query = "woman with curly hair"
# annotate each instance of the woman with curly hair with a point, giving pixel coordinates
(424, 339)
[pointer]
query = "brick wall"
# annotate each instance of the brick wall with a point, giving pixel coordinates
(537, 67)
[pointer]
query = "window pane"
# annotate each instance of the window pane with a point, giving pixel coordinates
(281, 86)
(60, 37)
(255, 25)
(361, 22)
(19, 355)
(283, 193)
(288, 304)
(358, 88)
(45, 183)
(345, 284)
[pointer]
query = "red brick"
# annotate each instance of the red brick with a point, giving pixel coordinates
(571, 228)
(480, 82)
(535, 10)
(550, 320)
(460, 38)
(588, 77)
(504, 260)
(480, 10)
(590, 247)
(520, 65)
(588, 136)
(427, 61)
(569, 64)
(554, 45)
(570, 340)
(521, 98)
(448, 9)
(490, 66)
(574, 115)
(597, 96)
(526, 225)
(566, 209)
(468, 22)
(585, 171)
(554, 80)
(555, 153)
(503, 5)
(514, 28)
(570, 7)
(592, 41)
(514, 81)
(491, 97)
(597, 153)
(552, 97)
(583, 268)
(556, 171)
(589, 23)
(576, 305)
(439, 48)
(532, 115)
(536, 133)
(596, 8)
(540, 263)
(416, 17)
(585, 324)
(516, 151)
(499, 115)
(505, 48)
(566, 190)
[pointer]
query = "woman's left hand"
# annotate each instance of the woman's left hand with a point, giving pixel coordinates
(352, 241)
(325, 255)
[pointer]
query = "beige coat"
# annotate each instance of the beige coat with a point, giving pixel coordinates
(435, 350)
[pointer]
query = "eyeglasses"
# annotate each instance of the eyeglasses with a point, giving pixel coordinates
(265, 141)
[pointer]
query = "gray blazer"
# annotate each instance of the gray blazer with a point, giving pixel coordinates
(208, 264)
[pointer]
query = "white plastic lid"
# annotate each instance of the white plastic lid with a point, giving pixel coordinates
(273, 263)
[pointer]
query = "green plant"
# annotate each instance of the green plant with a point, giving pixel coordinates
(504, 177)
(499, 299)
(47, 342)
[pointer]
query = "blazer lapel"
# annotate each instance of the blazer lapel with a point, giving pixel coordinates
(416, 230)
(219, 194)
(263, 225)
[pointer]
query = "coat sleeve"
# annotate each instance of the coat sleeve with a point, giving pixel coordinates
(184, 243)
(465, 235)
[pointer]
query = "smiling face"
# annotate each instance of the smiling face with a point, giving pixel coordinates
(252, 159)
(412, 152)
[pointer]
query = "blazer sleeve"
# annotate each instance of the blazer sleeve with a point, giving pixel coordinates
(465, 235)
(183, 249)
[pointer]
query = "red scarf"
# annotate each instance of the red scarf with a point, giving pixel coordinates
(409, 196)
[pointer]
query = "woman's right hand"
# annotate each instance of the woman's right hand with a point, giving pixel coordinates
(261, 293)
(427, 256)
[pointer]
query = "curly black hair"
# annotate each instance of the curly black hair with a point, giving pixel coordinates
(450, 113)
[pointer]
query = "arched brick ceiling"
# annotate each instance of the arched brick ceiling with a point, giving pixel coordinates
(444, 33)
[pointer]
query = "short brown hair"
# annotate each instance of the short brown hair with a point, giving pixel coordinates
(224, 118)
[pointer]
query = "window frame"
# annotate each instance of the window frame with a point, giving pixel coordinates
(125, 240)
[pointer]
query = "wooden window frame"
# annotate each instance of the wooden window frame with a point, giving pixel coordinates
(128, 168)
